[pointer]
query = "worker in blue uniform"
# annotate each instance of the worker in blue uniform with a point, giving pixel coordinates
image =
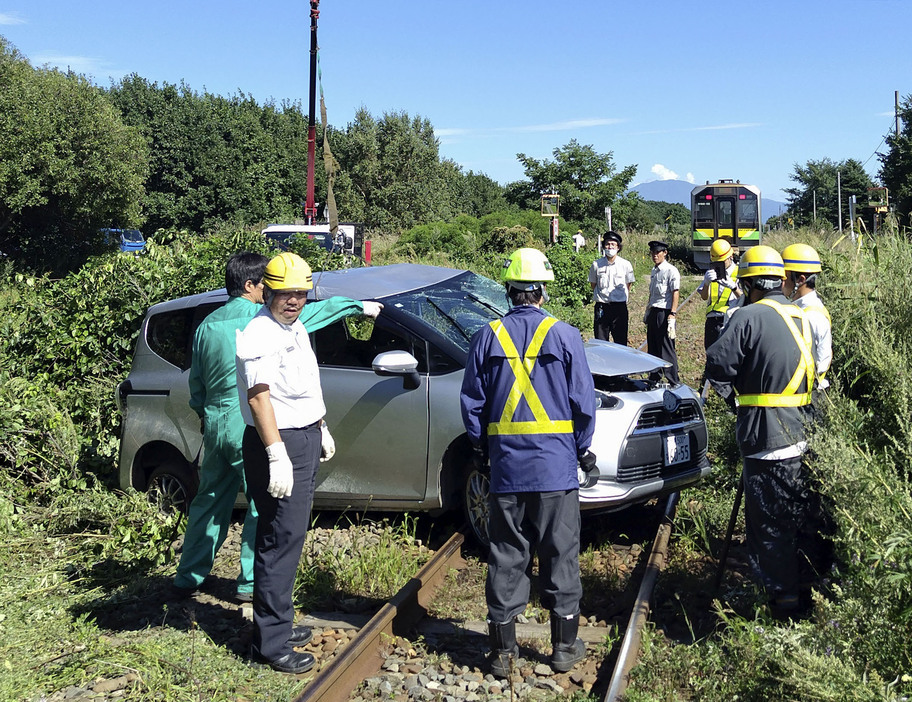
(528, 403)
(214, 397)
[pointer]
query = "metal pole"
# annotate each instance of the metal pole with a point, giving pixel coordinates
(852, 216)
(723, 557)
(839, 199)
(815, 206)
(896, 110)
(310, 209)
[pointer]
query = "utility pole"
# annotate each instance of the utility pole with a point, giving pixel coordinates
(896, 110)
(839, 199)
(310, 208)
(814, 194)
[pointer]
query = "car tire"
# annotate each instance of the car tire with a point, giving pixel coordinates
(172, 488)
(476, 488)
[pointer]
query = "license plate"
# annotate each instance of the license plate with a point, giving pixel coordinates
(677, 449)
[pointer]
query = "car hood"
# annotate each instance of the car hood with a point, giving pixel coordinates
(609, 359)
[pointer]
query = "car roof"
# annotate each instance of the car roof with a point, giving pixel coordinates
(377, 282)
(368, 283)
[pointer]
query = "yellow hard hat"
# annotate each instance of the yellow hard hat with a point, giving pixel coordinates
(720, 250)
(761, 261)
(288, 271)
(801, 258)
(529, 266)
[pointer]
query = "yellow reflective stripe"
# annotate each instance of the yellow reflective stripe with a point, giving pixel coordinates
(562, 426)
(819, 308)
(721, 295)
(805, 370)
(522, 386)
(773, 400)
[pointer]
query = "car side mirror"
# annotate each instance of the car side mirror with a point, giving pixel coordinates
(398, 363)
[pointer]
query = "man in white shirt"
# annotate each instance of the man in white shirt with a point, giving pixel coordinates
(579, 241)
(664, 286)
(802, 266)
(285, 438)
(611, 278)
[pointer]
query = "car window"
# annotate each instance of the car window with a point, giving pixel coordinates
(354, 342)
(168, 335)
(456, 308)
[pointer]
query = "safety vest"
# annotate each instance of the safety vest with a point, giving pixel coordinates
(789, 397)
(522, 366)
(720, 295)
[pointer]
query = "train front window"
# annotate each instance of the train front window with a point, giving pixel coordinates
(704, 214)
(747, 213)
(725, 213)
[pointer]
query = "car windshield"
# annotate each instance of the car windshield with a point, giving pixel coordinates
(132, 235)
(457, 307)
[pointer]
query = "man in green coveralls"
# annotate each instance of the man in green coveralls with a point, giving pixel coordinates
(214, 397)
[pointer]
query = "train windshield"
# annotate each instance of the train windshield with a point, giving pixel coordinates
(704, 212)
(747, 212)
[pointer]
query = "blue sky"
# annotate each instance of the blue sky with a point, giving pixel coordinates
(696, 91)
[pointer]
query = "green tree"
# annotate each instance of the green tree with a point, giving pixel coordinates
(817, 179)
(896, 164)
(215, 159)
(586, 181)
(391, 173)
(68, 166)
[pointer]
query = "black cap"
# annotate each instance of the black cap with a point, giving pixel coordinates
(658, 246)
(612, 236)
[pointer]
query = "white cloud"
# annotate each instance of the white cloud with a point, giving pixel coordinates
(690, 178)
(11, 18)
(84, 65)
(734, 125)
(567, 125)
(664, 173)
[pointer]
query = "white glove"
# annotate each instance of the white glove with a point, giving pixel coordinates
(710, 275)
(281, 476)
(727, 283)
(671, 327)
(327, 444)
(371, 308)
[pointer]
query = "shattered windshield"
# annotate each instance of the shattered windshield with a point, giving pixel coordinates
(457, 308)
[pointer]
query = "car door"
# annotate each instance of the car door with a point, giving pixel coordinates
(380, 427)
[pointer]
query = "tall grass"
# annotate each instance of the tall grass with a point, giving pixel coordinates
(857, 645)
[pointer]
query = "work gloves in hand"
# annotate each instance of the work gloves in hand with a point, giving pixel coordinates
(371, 308)
(327, 445)
(281, 475)
(672, 333)
(479, 457)
(587, 472)
(730, 284)
(711, 275)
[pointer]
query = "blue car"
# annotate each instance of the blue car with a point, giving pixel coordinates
(127, 240)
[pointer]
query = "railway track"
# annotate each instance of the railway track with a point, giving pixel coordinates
(382, 651)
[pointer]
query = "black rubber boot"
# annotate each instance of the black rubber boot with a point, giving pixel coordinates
(504, 650)
(568, 650)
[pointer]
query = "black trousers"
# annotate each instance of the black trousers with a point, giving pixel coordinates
(777, 514)
(611, 319)
(658, 343)
(525, 523)
(281, 529)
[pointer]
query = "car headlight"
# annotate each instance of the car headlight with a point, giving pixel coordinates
(605, 401)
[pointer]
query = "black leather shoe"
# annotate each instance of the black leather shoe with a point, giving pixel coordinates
(294, 663)
(300, 636)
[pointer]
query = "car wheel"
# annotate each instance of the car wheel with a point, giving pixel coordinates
(172, 488)
(475, 491)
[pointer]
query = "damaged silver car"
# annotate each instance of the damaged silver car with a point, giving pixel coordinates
(391, 388)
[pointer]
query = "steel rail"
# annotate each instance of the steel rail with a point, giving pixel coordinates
(360, 659)
(633, 635)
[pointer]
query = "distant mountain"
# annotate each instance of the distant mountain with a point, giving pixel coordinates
(678, 191)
